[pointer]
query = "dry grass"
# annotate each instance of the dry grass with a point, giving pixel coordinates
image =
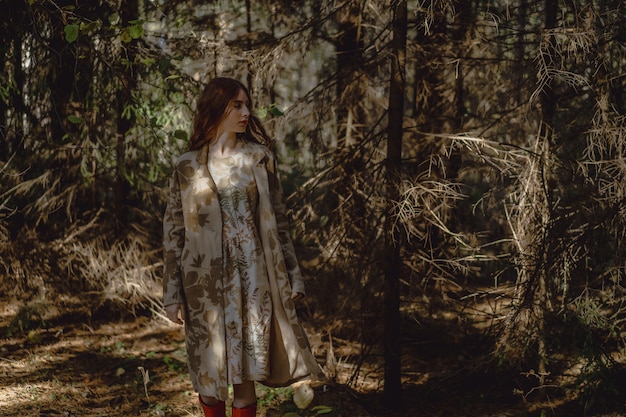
(124, 272)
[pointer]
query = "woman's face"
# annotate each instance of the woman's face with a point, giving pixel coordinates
(237, 115)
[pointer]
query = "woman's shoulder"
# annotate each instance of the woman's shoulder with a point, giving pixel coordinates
(258, 151)
(187, 164)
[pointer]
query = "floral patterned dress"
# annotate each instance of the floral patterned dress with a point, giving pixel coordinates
(203, 226)
(247, 297)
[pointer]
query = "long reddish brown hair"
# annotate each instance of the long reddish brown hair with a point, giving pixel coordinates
(211, 110)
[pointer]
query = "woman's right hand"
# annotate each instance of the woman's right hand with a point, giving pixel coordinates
(176, 313)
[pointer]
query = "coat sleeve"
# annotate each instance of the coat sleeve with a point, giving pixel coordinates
(173, 242)
(282, 222)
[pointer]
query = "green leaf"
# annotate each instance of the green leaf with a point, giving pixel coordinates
(71, 32)
(135, 31)
(275, 111)
(125, 36)
(180, 134)
(89, 27)
(164, 64)
(75, 119)
(130, 177)
(322, 409)
(127, 112)
(153, 173)
(262, 112)
(291, 414)
(114, 19)
(4, 93)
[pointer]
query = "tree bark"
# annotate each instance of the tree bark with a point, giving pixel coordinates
(548, 108)
(348, 48)
(62, 75)
(548, 101)
(4, 130)
(249, 75)
(125, 120)
(463, 21)
(393, 384)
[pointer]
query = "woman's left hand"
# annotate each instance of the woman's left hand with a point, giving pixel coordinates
(296, 296)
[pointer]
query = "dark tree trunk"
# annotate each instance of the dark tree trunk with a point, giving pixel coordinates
(393, 386)
(19, 106)
(125, 120)
(461, 36)
(463, 21)
(4, 142)
(520, 50)
(348, 48)
(250, 74)
(61, 81)
(548, 100)
(548, 109)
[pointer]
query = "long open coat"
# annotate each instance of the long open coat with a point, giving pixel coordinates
(192, 242)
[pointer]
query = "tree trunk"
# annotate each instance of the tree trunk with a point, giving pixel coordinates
(463, 19)
(393, 384)
(548, 108)
(125, 120)
(548, 100)
(534, 221)
(520, 50)
(17, 95)
(4, 129)
(251, 70)
(61, 82)
(348, 48)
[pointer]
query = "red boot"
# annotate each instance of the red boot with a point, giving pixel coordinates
(249, 411)
(217, 410)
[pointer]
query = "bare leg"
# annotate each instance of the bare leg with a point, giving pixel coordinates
(210, 401)
(245, 394)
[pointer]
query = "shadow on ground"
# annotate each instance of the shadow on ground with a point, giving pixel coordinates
(81, 365)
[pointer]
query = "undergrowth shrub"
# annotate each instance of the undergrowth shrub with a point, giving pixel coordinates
(126, 272)
(82, 274)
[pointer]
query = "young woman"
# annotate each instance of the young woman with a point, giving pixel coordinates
(231, 274)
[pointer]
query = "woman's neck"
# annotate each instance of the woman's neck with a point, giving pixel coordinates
(226, 144)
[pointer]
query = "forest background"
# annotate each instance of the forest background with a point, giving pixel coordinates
(455, 173)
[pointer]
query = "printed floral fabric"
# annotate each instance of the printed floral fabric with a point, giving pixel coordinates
(214, 260)
(248, 303)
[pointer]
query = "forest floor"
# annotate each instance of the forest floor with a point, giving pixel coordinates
(75, 365)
